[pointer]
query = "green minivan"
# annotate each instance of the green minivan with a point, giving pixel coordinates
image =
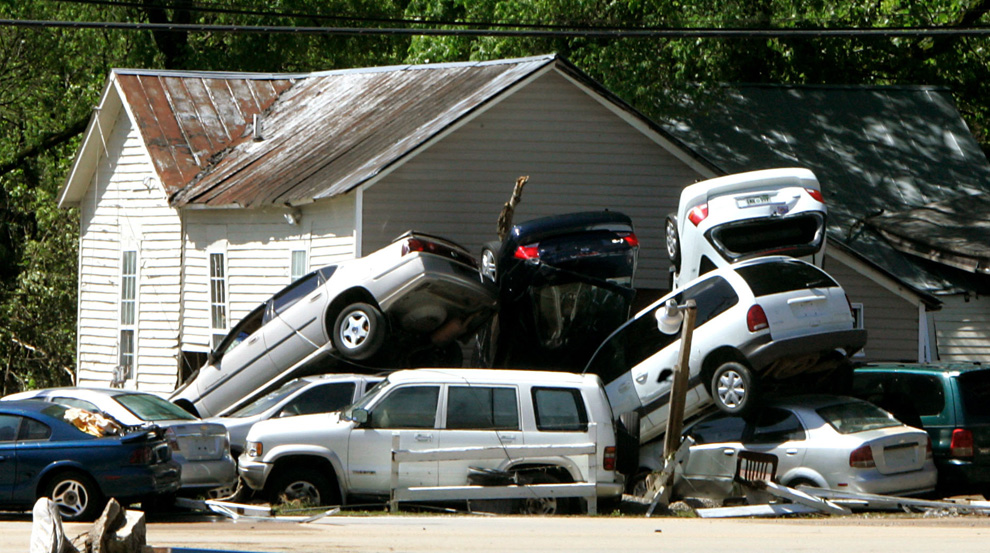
(949, 400)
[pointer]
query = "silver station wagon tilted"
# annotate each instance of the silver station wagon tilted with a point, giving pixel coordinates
(417, 296)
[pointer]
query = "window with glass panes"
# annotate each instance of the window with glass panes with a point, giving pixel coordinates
(218, 296)
(128, 311)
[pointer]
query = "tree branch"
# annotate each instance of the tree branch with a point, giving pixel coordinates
(46, 143)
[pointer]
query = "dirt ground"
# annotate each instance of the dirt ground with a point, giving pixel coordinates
(481, 534)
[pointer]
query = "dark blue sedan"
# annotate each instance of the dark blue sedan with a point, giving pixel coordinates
(42, 454)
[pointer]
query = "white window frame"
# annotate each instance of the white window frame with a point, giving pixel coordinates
(218, 290)
(298, 271)
(858, 313)
(128, 315)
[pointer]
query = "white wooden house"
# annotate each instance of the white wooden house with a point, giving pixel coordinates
(201, 194)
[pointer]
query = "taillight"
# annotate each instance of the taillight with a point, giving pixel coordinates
(141, 456)
(862, 458)
(815, 194)
(962, 443)
(443, 250)
(631, 240)
(531, 251)
(698, 214)
(756, 319)
(608, 461)
(173, 441)
(928, 449)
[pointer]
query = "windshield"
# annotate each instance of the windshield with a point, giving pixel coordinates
(859, 416)
(365, 400)
(264, 403)
(151, 408)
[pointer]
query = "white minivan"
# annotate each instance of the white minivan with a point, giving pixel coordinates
(332, 458)
(727, 219)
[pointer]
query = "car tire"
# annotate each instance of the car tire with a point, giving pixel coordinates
(77, 496)
(307, 486)
(627, 443)
(638, 486)
(542, 505)
(734, 388)
(359, 331)
(673, 242)
(489, 268)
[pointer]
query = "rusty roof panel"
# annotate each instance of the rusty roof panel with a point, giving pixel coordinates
(188, 119)
(333, 131)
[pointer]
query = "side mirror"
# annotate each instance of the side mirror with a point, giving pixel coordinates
(360, 416)
(669, 317)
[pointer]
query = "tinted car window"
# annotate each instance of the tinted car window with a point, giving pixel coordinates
(34, 430)
(906, 395)
(152, 408)
(407, 407)
(295, 292)
(859, 416)
(974, 389)
(246, 327)
(718, 429)
(482, 408)
(75, 402)
(320, 399)
(266, 402)
(775, 278)
(774, 426)
(559, 409)
(640, 338)
(8, 427)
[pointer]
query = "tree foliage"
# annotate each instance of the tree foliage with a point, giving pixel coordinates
(51, 77)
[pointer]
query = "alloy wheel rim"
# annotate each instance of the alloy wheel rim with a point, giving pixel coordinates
(355, 329)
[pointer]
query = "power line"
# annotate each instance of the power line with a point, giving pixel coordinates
(672, 33)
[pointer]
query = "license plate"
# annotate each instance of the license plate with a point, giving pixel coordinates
(899, 456)
(750, 201)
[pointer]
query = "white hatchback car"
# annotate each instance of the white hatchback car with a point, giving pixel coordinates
(723, 220)
(417, 295)
(823, 441)
(766, 324)
(332, 458)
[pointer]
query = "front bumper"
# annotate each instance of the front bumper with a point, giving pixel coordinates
(254, 473)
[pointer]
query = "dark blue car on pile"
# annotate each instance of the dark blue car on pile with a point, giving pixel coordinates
(42, 454)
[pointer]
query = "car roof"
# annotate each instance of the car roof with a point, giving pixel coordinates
(926, 368)
(489, 376)
(809, 401)
(86, 391)
(345, 377)
(25, 406)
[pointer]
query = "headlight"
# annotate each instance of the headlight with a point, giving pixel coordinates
(255, 449)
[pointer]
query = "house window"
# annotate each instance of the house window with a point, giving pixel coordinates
(857, 312)
(218, 297)
(128, 313)
(298, 264)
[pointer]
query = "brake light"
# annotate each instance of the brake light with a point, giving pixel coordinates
(443, 250)
(531, 251)
(608, 461)
(815, 194)
(631, 240)
(756, 319)
(962, 443)
(698, 214)
(862, 458)
(141, 456)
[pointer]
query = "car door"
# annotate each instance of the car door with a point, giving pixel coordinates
(8, 455)
(781, 433)
(711, 465)
(295, 328)
(407, 411)
(239, 365)
(477, 416)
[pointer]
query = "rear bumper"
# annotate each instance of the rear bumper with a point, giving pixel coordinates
(215, 473)
(763, 352)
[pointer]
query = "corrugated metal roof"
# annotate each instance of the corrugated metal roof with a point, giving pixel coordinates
(186, 119)
(333, 131)
(874, 149)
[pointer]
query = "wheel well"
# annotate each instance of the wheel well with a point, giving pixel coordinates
(308, 462)
(715, 359)
(561, 473)
(187, 406)
(344, 299)
(47, 479)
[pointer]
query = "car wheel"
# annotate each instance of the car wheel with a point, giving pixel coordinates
(639, 485)
(359, 331)
(77, 496)
(673, 242)
(542, 505)
(488, 268)
(734, 388)
(305, 486)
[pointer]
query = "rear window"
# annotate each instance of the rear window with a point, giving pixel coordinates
(152, 408)
(857, 416)
(482, 408)
(776, 278)
(974, 389)
(560, 409)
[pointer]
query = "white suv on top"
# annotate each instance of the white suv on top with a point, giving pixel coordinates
(723, 220)
(330, 458)
(771, 323)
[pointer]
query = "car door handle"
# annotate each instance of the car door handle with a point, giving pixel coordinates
(253, 340)
(424, 437)
(791, 451)
(729, 451)
(506, 438)
(316, 297)
(642, 378)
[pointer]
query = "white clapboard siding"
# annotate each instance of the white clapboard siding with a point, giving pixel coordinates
(963, 328)
(579, 156)
(891, 321)
(126, 208)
